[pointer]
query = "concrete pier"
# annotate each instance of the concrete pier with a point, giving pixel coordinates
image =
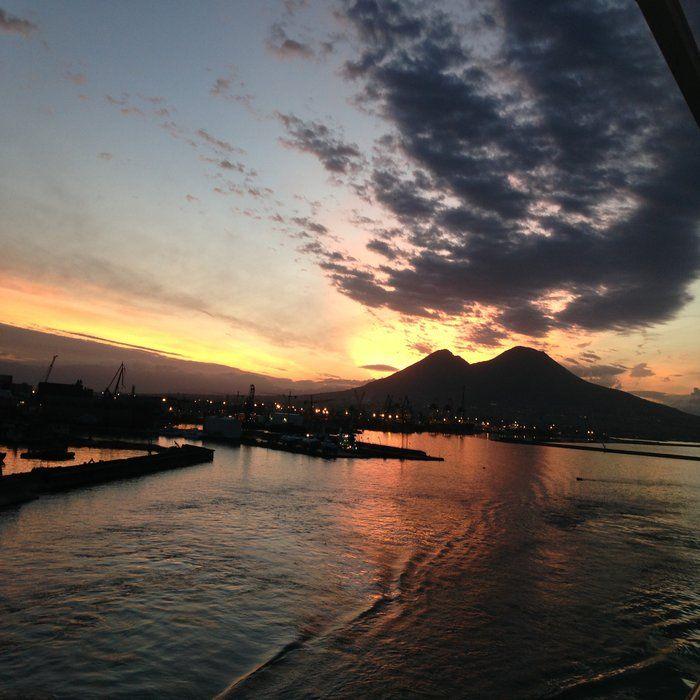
(19, 488)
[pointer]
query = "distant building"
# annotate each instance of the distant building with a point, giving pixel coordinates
(64, 403)
(224, 427)
(282, 419)
(65, 391)
(22, 390)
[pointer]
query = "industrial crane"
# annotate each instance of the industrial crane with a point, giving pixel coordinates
(117, 380)
(406, 410)
(359, 398)
(249, 403)
(48, 371)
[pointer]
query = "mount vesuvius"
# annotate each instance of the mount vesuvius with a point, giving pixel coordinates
(526, 384)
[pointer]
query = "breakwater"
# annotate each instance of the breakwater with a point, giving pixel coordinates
(372, 449)
(19, 488)
(317, 447)
(593, 448)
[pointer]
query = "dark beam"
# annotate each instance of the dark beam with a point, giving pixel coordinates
(675, 39)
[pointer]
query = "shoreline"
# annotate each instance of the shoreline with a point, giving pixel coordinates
(26, 486)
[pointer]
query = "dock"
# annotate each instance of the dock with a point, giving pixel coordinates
(315, 447)
(595, 448)
(20, 488)
(373, 449)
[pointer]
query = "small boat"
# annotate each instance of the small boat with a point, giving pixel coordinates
(53, 454)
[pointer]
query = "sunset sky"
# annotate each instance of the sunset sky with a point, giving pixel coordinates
(332, 189)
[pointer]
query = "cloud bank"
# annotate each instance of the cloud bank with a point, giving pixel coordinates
(10, 24)
(542, 167)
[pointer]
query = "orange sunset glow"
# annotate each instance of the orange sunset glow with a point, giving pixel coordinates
(349, 349)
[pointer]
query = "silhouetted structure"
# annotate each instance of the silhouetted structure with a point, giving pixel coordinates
(521, 389)
(675, 39)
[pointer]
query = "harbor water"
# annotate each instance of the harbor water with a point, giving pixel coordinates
(14, 463)
(505, 571)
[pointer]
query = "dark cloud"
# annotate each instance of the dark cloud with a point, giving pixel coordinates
(93, 359)
(605, 375)
(377, 245)
(219, 144)
(118, 101)
(402, 196)
(222, 85)
(284, 47)
(641, 370)
(380, 368)
(327, 47)
(228, 165)
(422, 348)
(230, 87)
(15, 25)
(526, 319)
(310, 226)
(361, 219)
(122, 103)
(109, 341)
(484, 334)
(558, 163)
(317, 139)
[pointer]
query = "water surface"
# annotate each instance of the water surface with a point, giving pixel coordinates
(15, 464)
(492, 573)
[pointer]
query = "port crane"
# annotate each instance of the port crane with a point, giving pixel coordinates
(359, 398)
(48, 371)
(388, 404)
(117, 380)
(249, 403)
(406, 409)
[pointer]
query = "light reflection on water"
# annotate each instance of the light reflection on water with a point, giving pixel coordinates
(491, 573)
(14, 464)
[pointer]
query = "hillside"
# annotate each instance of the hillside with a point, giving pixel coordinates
(526, 384)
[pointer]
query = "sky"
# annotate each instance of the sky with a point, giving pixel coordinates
(324, 191)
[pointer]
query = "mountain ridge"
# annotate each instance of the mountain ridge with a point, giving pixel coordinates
(526, 384)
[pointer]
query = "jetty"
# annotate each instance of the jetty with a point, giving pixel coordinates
(19, 488)
(319, 446)
(595, 448)
(373, 449)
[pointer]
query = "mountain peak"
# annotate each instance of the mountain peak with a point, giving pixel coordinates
(521, 353)
(527, 384)
(439, 353)
(443, 357)
(522, 350)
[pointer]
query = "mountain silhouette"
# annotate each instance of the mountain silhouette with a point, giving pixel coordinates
(526, 384)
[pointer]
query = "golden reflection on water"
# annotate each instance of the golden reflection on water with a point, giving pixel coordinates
(14, 464)
(494, 570)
